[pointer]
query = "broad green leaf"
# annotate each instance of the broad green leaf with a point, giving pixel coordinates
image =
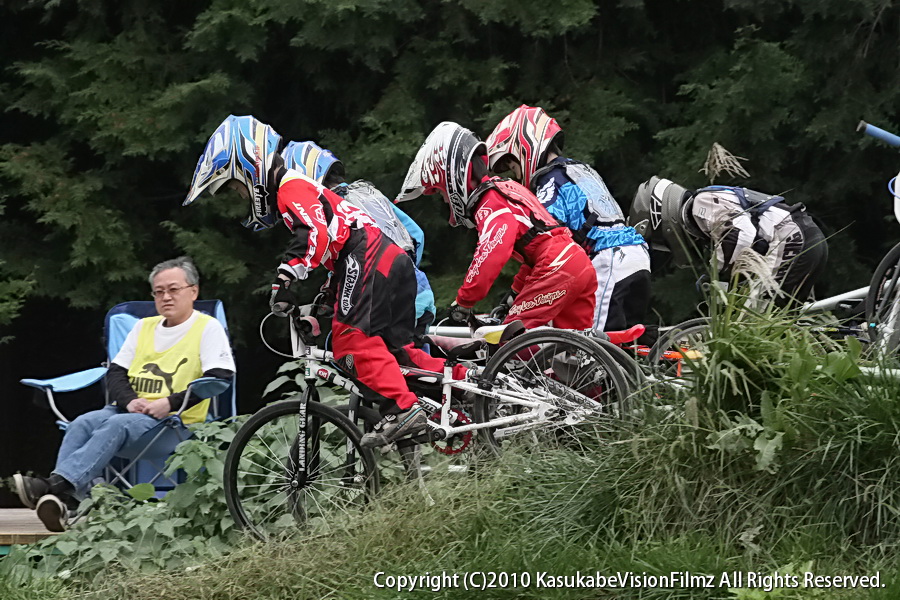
(141, 491)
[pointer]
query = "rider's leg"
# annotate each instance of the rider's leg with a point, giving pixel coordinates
(370, 361)
(630, 297)
(802, 261)
(375, 311)
(604, 261)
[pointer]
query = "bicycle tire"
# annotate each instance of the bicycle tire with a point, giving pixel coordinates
(882, 303)
(262, 493)
(666, 338)
(631, 367)
(699, 326)
(541, 360)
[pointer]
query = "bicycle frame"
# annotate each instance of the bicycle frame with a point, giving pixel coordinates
(539, 409)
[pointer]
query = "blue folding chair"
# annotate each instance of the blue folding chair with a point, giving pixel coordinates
(143, 461)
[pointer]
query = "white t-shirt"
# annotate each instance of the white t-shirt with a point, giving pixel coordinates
(215, 351)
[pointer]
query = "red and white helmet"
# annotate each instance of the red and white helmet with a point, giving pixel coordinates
(443, 164)
(525, 134)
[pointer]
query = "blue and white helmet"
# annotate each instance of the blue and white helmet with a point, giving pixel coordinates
(311, 159)
(241, 149)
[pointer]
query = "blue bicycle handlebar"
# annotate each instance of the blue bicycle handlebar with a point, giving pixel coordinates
(881, 134)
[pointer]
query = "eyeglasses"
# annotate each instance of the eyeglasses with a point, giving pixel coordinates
(158, 294)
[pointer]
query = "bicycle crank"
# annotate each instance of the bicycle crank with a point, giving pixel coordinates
(455, 443)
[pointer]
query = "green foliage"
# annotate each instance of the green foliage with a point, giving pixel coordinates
(191, 524)
(788, 425)
(16, 586)
(108, 111)
(12, 296)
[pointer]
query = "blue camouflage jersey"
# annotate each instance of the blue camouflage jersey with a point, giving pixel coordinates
(576, 195)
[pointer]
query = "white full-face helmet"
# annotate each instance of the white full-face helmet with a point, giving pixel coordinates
(444, 165)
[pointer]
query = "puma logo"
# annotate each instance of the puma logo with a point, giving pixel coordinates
(155, 386)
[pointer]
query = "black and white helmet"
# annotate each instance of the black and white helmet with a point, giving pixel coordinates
(443, 164)
(660, 212)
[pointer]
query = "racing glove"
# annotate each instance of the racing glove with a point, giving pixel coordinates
(459, 314)
(281, 301)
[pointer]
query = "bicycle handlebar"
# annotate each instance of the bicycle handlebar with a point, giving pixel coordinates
(881, 134)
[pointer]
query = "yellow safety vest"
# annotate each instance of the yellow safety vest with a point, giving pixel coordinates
(155, 375)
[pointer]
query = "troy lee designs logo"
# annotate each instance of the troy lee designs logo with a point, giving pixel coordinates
(548, 298)
(484, 250)
(350, 279)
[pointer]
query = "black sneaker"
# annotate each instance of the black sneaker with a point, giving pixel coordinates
(53, 513)
(30, 489)
(410, 422)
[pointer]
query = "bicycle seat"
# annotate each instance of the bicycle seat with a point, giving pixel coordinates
(625, 336)
(467, 351)
(499, 334)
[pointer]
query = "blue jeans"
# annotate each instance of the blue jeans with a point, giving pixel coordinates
(93, 439)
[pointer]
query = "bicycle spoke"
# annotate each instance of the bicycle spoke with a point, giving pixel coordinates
(267, 492)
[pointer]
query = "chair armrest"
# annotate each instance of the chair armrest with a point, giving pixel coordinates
(204, 387)
(68, 383)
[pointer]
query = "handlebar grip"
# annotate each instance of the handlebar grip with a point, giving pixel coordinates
(282, 309)
(881, 134)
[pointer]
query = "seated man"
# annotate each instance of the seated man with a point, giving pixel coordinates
(147, 381)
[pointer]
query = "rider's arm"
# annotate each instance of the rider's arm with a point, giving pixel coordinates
(301, 209)
(562, 199)
(519, 280)
(415, 232)
(734, 241)
(497, 231)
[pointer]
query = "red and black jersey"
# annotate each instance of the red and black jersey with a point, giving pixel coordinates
(320, 220)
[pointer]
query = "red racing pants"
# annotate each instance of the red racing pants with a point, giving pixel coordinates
(375, 316)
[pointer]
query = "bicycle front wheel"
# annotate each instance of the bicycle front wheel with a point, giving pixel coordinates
(266, 490)
(570, 371)
(883, 304)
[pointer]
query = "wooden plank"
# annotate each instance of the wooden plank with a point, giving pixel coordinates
(21, 526)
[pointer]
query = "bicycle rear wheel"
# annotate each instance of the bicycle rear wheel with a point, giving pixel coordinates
(883, 304)
(266, 492)
(568, 370)
(677, 351)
